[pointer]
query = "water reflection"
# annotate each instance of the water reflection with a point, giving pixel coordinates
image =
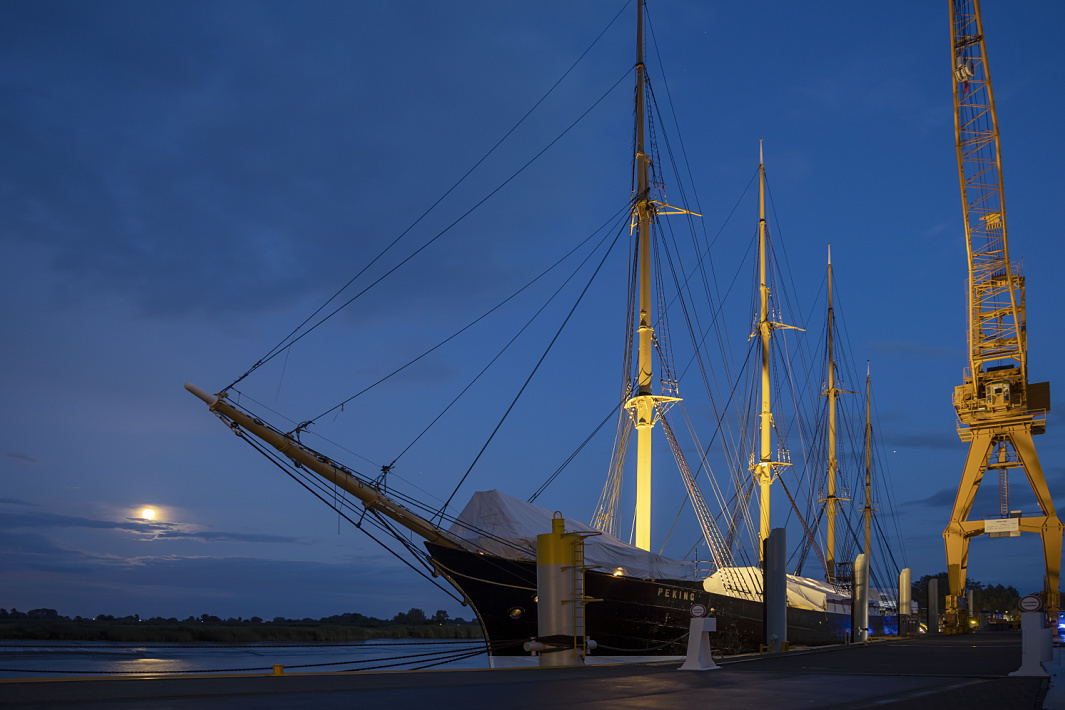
(20, 659)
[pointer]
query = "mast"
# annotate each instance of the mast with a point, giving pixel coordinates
(645, 408)
(763, 469)
(832, 392)
(642, 406)
(868, 510)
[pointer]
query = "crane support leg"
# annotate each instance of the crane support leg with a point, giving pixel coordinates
(1048, 525)
(1052, 533)
(960, 530)
(957, 544)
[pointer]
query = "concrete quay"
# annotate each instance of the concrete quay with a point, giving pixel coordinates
(937, 672)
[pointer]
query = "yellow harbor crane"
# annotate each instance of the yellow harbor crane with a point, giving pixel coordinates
(998, 410)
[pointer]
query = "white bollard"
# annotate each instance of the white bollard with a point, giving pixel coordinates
(699, 658)
(905, 591)
(860, 600)
(1035, 645)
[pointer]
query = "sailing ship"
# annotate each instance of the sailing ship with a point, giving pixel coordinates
(643, 600)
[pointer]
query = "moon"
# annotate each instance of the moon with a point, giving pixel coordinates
(148, 514)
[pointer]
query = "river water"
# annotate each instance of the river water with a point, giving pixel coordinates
(27, 659)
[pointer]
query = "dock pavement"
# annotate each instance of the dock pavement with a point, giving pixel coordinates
(936, 672)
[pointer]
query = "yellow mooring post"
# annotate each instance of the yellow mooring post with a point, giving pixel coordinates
(561, 638)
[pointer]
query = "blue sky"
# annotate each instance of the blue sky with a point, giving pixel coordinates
(182, 183)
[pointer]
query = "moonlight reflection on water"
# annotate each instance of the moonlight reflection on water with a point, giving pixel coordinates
(41, 660)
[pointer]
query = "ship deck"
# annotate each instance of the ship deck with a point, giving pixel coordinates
(933, 672)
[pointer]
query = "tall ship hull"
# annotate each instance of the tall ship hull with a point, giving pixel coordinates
(631, 617)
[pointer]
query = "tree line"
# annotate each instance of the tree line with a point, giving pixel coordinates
(987, 598)
(412, 617)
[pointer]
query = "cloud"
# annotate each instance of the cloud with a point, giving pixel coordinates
(18, 501)
(194, 174)
(33, 551)
(39, 573)
(22, 458)
(36, 520)
(219, 536)
(154, 530)
(943, 498)
(42, 572)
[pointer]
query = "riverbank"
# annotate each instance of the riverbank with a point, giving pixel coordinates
(205, 632)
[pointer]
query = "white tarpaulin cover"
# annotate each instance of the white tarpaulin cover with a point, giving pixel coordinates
(746, 583)
(803, 593)
(491, 515)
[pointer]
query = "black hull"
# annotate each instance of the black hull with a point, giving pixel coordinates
(637, 617)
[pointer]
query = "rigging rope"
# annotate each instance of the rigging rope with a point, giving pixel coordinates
(437, 657)
(291, 340)
(427, 244)
(521, 391)
(516, 335)
(262, 449)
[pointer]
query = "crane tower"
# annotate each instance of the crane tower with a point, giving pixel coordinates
(998, 410)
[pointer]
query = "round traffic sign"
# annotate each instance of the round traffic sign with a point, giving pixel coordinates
(1032, 602)
(698, 610)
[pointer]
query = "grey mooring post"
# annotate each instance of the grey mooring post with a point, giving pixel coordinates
(775, 586)
(860, 599)
(933, 606)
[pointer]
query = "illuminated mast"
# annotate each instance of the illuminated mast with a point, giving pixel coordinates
(764, 468)
(868, 510)
(832, 393)
(642, 407)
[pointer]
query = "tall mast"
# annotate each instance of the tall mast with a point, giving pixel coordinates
(868, 461)
(832, 393)
(642, 406)
(645, 408)
(764, 468)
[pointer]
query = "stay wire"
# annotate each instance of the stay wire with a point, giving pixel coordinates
(457, 333)
(441, 233)
(551, 479)
(412, 503)
(313, 483)
(312, 644)
(282, 345)
(258, 447)
(436, 658)
(512, 340)
(535, 369)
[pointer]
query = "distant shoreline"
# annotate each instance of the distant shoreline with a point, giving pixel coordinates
(241, 632)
